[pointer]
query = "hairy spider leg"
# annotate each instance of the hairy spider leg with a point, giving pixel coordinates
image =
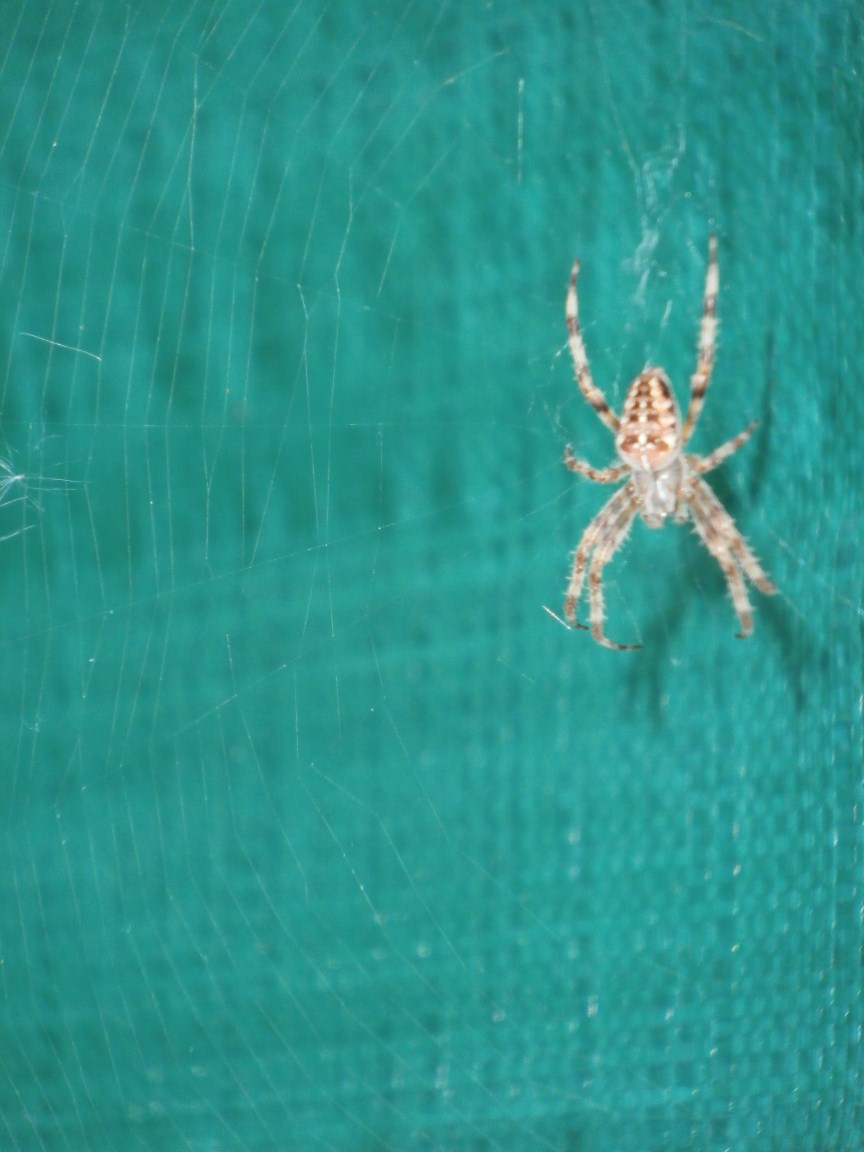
(603, 553)
(580, 358)
(701, 378)
(712, 538)
(703, 464)
(724, 526)
(598, 475)
(606, 533)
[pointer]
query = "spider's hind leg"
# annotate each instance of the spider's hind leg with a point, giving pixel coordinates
(580, 358)
(701, 378)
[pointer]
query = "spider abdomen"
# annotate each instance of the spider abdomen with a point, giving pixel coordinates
(649, 435)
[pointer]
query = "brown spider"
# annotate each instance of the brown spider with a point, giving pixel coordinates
(663, 479)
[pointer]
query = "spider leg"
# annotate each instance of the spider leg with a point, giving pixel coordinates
(728, 547)
(707, 463)
(580, 358)
(595, 531)
(701, 378)
(600, 475)
(606, 532)
(713, 541)
(737, 545)
(603, 553)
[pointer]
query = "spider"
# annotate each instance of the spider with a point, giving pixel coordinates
(663, 480)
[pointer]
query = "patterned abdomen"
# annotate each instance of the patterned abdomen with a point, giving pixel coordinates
(649, 435)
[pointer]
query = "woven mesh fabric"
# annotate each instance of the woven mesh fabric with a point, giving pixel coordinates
(319, 832)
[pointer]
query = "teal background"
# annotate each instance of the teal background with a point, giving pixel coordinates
(319, 833)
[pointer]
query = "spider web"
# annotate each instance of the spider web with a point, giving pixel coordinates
(320, 833)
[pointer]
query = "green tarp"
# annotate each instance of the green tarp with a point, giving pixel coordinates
(320, 831)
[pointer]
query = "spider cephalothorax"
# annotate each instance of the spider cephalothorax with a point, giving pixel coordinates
(663, 480)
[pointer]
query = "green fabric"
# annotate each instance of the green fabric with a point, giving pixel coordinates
(320, 833)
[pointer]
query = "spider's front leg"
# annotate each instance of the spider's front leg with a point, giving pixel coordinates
(604, 535)
(731, 551)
